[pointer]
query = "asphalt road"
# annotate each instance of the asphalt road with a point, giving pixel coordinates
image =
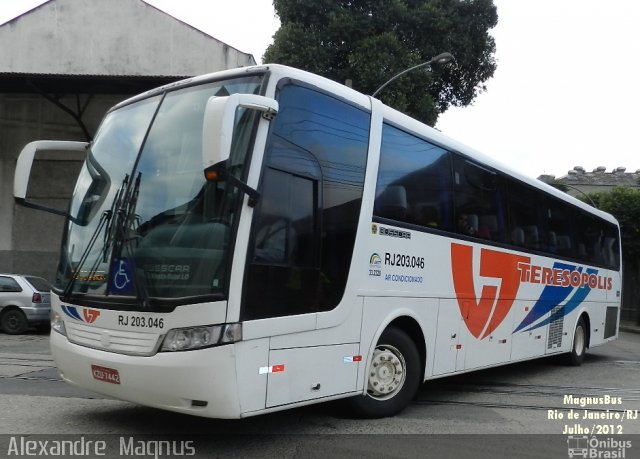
(510, 411)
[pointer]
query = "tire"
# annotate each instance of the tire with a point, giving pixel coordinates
(578, 345)
(393, 376)
(13, 322)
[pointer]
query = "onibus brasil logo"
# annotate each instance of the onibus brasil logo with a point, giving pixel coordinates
(594, 447)
(500, 276)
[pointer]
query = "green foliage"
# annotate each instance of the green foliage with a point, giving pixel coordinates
(369, 41)
(624, 204)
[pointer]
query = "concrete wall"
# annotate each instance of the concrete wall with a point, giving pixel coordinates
(110, 37)
(30, 239)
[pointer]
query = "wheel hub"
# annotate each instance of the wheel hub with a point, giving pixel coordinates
(386, 372)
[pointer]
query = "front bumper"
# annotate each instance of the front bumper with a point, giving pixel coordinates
(200, 383)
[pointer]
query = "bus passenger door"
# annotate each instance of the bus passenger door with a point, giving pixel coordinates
(286, 285)
(301, 243)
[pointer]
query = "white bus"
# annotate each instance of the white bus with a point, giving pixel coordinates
(263, 238)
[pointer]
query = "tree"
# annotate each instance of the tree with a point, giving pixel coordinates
(369, 41)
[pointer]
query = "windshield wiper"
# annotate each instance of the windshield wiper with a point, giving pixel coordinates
(107, 222)
(126, 221)
(118, 221)
(109, 235)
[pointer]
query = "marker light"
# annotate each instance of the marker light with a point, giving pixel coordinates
(186, 339)
(216, 173)
(57, 324)
(212, 175)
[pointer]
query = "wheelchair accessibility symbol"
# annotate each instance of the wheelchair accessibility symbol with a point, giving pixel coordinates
(121, 276)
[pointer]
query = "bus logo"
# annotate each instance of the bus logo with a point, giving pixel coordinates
(483, 313)
(88, 316)
(502, 273)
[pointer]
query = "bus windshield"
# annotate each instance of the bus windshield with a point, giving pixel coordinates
(147, 224)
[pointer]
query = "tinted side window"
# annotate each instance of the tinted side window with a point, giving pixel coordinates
(542, 223)
(414, 181)
(561, 226)
(287, 219)
(479, 206)
(597, 241)
(576, 234)
(611, 247)
(312, 182)
(526, 218)
(416, 186)
(7, 284)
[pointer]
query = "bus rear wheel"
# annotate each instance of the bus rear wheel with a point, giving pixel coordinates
(393, 376)
(579, 344)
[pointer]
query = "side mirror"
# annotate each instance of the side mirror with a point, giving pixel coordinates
(25, 163)
(219, 121)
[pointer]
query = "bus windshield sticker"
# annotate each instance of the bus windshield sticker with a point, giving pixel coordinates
(121, 280)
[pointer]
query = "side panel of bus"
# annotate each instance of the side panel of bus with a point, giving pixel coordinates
(475, 300)
(473, 318)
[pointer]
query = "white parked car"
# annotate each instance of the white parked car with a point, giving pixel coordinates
(24, 301)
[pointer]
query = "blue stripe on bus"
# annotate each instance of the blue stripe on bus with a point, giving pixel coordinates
(72, 312)
(551, 297)
(578, 297)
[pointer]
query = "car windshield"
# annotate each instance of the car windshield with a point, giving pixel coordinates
(146, 222)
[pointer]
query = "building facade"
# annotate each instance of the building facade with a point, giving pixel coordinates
(62, 66)
(580, 182)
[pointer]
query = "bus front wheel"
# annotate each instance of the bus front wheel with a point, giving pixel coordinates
(393, 376)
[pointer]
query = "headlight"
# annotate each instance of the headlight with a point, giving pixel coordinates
(57, 323)
(185, 339)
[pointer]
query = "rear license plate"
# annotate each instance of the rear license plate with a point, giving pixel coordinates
(105, 374)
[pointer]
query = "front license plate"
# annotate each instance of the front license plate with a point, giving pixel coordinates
(109, 375)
